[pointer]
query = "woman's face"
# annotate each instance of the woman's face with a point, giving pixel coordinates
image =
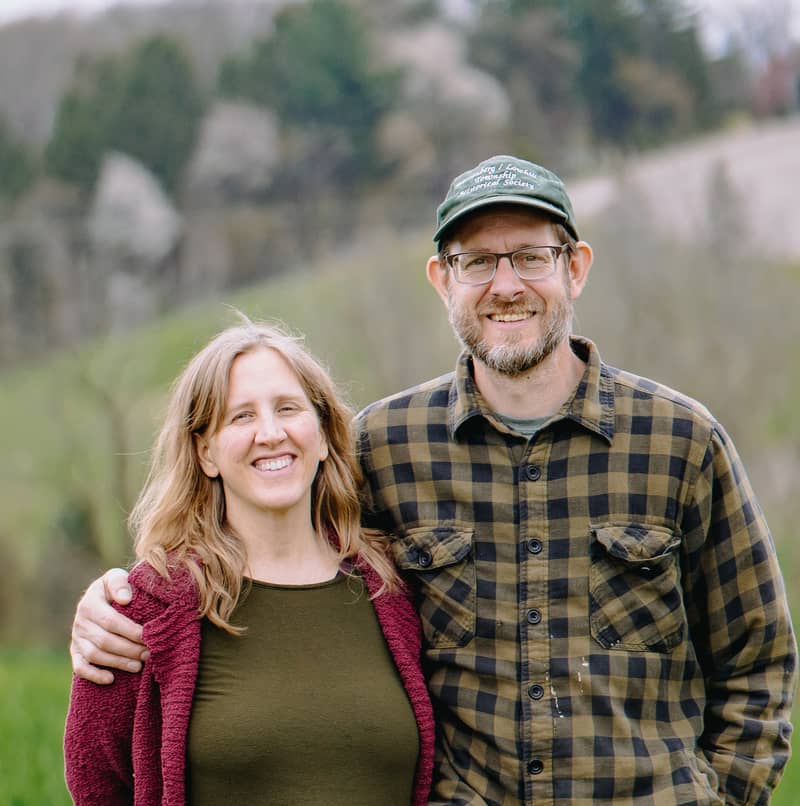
(269, 444)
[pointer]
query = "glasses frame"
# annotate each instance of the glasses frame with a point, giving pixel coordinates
(556, 250)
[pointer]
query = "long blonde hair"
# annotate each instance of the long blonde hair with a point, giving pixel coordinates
(179, 518)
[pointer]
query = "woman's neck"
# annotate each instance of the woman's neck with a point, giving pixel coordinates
(286, 550)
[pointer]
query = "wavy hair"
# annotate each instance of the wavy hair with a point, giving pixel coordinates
(179, 518)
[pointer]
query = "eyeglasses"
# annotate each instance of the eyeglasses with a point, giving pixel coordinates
(528, 263)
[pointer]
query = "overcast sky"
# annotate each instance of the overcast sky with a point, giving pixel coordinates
(14, 9)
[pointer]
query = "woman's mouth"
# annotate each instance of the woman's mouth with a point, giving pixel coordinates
(278, 463)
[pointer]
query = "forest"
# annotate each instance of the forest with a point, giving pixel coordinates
(157, 155)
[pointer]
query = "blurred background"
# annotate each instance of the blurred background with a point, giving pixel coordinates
(161, 162)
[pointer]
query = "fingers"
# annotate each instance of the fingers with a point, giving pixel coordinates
(103, 637)
(115, 584)
(88, 672)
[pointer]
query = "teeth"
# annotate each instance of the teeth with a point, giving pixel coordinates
(509, 317)
(273, 464)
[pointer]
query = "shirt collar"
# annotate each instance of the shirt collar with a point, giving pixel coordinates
(591, 405)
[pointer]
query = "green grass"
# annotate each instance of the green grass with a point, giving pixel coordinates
(34, 692)
(788, 791)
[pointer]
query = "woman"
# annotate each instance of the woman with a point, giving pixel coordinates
(284, 657)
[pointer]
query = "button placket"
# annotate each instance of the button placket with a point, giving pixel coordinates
(533, 488)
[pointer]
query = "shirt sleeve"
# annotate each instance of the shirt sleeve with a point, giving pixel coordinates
(740, 626)
(371, 516)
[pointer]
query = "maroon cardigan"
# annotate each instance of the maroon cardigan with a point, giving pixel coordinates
(126, 743)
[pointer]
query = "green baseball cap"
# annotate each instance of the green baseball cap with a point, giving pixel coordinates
(505, 180)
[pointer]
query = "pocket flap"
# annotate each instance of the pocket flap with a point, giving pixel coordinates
(636, 543)
(428, 548)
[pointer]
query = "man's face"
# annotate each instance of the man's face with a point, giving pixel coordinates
(510, 325)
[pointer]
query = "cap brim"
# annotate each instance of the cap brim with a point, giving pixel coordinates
(524, 201)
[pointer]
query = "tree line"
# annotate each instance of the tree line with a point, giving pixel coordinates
(578, 75)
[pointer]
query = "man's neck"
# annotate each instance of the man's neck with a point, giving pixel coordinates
(540, 392)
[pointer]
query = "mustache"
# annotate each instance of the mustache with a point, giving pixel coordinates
(519, 306)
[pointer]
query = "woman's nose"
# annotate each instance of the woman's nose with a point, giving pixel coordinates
(270, 429)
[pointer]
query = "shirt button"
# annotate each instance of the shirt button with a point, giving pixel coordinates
(535, 766)
(424, 559)
(534, 545)
(535, 692)
(533, 616)
(533, 472)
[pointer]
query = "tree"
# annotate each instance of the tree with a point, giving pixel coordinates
(669, 37)
(629, 46)
(145, 103)
(315, 71)
(527, 47)
(604, 33)
(17, 166)
(635, 67)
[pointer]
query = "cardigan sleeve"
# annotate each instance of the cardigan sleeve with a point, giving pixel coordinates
(97, 741)
(99, 733)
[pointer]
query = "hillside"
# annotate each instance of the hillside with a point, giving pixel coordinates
(695, 315)
(761, 164)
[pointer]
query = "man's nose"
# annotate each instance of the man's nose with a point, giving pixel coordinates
(506, 282)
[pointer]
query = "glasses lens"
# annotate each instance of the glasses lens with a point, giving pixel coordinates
(474, 267)
(537, 261)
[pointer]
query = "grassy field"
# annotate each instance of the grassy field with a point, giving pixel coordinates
(34, 691)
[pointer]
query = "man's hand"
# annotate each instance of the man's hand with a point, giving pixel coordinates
(102, 636)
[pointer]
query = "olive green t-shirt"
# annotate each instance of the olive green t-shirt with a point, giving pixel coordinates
(305, 707)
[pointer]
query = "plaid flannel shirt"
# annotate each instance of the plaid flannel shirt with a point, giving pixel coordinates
(604, 615)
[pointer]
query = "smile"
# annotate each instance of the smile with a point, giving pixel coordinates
(509, 317)
(273, 464)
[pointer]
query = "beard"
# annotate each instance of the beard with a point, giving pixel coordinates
(512, 357)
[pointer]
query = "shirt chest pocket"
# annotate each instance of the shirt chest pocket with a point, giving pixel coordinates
(635, 598)
(439, 563)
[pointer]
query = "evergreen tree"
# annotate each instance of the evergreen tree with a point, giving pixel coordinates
(145, 103)
(18, 166)
(314, 70)
(639, 71)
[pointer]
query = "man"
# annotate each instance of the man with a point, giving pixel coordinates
(604, 616)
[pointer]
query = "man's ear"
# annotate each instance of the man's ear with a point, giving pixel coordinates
(437, 276)
(580, 261)
(204, 456)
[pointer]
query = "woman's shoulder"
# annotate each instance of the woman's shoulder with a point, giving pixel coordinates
(154, 591)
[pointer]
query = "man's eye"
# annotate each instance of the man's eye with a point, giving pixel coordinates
(532, 258)
(476, 262)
